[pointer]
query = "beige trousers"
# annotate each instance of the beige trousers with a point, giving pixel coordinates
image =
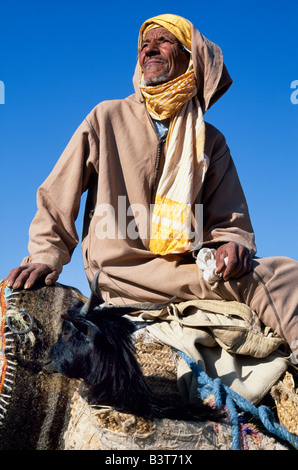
(270, 290)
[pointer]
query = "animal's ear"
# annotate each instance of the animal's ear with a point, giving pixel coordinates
(82, 325)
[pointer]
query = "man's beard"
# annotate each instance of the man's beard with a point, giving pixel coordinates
(155, 80)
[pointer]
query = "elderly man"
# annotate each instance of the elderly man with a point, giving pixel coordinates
(149, 163)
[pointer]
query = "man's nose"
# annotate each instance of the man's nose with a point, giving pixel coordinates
(152, 48)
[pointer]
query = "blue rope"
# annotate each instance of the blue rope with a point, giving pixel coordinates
(225, 397)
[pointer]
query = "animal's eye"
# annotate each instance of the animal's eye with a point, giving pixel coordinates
(65, 335)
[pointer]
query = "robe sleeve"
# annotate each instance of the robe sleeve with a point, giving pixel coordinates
(226, 214)
(52, 233)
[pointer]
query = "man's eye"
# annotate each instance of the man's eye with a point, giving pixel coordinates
(164, 40)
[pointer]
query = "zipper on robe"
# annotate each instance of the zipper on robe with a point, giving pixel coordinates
(161, 141)
(157, 162)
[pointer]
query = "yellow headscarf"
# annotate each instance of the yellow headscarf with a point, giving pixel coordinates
(177, 25)
(164, 100)
(185, 161)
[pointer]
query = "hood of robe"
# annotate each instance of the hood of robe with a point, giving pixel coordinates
(212, 76)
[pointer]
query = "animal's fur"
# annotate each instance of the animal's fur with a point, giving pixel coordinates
(100, 351)
(98, 348)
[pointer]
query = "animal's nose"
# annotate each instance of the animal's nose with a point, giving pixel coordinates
(48, 364)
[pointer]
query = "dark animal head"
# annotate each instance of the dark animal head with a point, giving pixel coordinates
(99, 350)
(82, 340)
(91, 331)
(96, 346)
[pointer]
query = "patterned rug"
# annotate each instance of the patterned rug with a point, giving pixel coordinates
(7, 364)
(34, 406)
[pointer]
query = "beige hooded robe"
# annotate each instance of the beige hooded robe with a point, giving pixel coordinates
(117, 156)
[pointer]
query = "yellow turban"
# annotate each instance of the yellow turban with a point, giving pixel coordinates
(177, 25)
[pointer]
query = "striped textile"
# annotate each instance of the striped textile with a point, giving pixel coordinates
(182, 176)
(162, 101)
(185, 162)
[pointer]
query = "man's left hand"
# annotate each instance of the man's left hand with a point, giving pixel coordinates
(239, 260)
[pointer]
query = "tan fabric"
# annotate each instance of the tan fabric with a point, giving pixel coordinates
(234, 326)
(250, 377)
(227, 340)
(131, 271)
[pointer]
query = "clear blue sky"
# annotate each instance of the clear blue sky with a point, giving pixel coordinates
(58, 59)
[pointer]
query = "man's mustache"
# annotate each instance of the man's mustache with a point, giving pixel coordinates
(155, 57)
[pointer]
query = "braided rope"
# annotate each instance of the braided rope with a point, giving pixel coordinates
(225, 397)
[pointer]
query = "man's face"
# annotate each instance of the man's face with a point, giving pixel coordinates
(161, 57)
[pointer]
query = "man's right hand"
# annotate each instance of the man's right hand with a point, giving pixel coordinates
(27, 275)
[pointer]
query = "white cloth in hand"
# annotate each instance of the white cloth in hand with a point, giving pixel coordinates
(206, 262)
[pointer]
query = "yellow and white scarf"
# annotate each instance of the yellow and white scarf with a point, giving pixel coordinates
(185, 161)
